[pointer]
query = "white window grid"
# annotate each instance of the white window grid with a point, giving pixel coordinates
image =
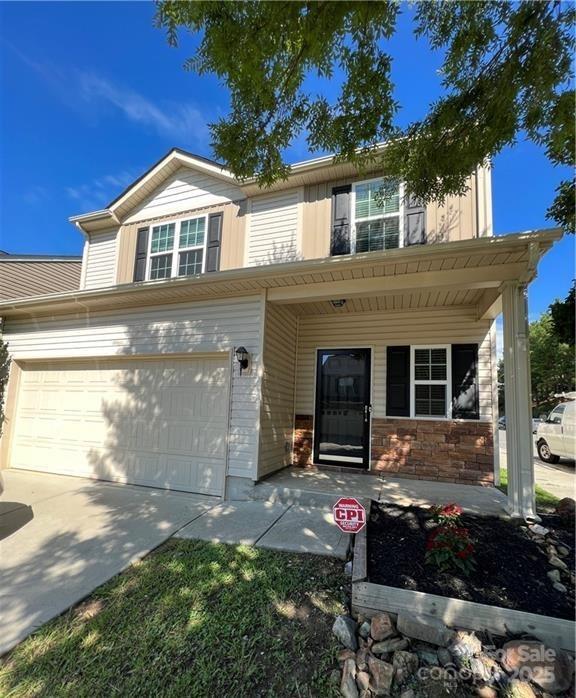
(380, 216)
(176, 249)
(414, 382)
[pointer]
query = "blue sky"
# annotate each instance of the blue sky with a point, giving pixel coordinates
(92, 95)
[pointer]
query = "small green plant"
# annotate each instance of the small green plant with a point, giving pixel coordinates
(449, 545)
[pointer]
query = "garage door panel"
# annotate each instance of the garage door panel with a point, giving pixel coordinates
(152, 422)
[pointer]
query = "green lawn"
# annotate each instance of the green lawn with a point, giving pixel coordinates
(545, 501)
(192, 619)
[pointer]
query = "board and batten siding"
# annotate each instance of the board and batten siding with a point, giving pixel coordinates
(453, 219)
(100, 260)
(277, 410)
(377, 331)
(274, 228)
(186, 189)
(203, 326)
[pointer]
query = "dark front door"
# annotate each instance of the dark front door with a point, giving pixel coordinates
(342, 419)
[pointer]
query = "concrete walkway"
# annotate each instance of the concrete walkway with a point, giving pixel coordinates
(287, 527)
(61, 537)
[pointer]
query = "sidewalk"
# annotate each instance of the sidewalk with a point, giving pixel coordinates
(288, 527)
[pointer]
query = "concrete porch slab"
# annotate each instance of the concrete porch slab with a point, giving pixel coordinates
(307, 530)
(311, 487)
(234, 522)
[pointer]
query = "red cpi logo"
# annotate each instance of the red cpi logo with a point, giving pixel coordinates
(349, 515)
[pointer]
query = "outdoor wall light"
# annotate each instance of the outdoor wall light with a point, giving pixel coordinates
(339, 303)
(242, 357)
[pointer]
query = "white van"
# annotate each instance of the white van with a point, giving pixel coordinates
(556, 435)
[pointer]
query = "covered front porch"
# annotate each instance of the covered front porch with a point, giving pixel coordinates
(428, 435)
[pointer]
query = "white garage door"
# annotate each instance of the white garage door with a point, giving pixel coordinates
(157, 422)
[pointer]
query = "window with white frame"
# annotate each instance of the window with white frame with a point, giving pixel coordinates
(430, 381)
(376, 212)
(177, 249)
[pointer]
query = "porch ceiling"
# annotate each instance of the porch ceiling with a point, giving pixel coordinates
(415, 274)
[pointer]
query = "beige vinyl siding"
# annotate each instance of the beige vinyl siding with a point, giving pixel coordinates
(377, 331)
(38, 277)
(203, 326)
(274, 228)
(454, 219)
(185, 190)
(277, 411)
(233, 238)
(101, 260)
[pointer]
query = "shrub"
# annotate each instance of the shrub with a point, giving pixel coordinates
(449, 545)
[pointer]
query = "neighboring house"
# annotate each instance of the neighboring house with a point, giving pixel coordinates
(368, 331)
(36, 275)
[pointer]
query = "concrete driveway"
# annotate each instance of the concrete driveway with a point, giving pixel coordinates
(61, 537)
(557, 478)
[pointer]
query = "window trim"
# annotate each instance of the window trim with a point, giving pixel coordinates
(447, 382)
(353, 219)
(176, 248)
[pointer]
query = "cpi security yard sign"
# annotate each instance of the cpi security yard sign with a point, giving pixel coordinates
(349, 515)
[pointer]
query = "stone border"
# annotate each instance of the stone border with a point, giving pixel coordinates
(369, 599)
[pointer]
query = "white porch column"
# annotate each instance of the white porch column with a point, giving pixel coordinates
(518, 394)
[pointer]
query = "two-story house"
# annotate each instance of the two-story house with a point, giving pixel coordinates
(223, 332)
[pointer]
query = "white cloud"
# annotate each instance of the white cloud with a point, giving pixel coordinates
(99, 192)
(175, 121)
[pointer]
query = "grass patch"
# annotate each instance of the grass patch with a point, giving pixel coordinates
(545, 501)
(191, 619)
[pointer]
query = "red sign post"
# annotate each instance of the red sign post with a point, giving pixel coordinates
(349, 515)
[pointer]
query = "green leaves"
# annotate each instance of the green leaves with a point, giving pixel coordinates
(506, 74)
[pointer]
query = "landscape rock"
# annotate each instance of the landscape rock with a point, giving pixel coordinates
(520, 689)
(362, 658)
(348, 686)
(563, 551)
(539, 530)
(335, 676)
(382, 627)
(558, 563)
(566, 510)
(428, 656)
(363, 680)
(550, 669)
(465, 645)
(480, 670)
(444, 656)
(345, 654)
(560, 587)
(393, 644)
(365, 694)
(424, 628)
(345, 630)
(486, 692)
(554, 575)
(348, 568)
(409, 693)
(382, 674)
(364, 630)
(405, 664)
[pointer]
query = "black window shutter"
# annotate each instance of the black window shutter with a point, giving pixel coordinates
(414, 221)
(398, 381)
(465, 398)
(340, 240)
(214, 241)
(141, 253)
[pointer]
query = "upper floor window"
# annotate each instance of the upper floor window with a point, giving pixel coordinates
(375, 215)
(177, 249)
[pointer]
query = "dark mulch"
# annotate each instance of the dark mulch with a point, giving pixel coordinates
(510, 567)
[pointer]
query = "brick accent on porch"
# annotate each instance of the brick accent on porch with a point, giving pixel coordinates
(303, 434)
(461, 452)
(418, 449)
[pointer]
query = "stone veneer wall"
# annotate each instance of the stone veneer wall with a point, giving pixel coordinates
(303, 432)
(419, 449)
(425, 449)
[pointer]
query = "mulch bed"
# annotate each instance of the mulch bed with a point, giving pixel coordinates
(510, 567)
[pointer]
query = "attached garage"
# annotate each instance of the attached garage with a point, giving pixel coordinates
(161, 422)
